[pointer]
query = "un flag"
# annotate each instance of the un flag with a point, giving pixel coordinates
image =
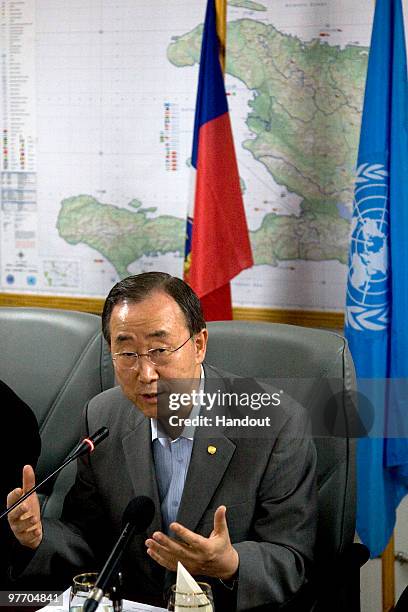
(377, 287)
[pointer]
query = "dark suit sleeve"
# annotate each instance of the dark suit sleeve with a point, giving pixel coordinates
(273, 565)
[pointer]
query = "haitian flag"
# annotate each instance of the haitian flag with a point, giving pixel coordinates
(377, 291)
(217, 244)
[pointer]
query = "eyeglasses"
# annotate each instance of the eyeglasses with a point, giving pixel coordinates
(128, 360)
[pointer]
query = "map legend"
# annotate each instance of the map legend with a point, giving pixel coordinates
(18, 229)
(17, 85)
(5, 150)
(170, 136)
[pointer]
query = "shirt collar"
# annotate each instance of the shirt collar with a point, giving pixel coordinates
(155, 430)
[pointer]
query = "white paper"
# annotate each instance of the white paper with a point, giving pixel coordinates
(186, 584)
(128, 606)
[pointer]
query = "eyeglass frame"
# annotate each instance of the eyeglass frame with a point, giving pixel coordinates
(138, 355)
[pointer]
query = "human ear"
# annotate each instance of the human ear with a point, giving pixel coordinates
(200, 345)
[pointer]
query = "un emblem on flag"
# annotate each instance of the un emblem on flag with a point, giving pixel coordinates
(367, 283)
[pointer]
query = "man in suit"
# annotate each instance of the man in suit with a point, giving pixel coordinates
(237, 510)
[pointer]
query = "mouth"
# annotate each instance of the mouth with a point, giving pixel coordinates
(150, 398)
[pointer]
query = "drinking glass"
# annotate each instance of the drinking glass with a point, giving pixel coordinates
(180, 601)
(82, 585)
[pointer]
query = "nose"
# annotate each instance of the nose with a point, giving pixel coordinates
(146, 370)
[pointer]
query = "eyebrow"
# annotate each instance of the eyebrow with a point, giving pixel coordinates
(122, 338)
(159, 333)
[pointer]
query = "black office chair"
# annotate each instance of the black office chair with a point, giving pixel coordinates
(313, 365)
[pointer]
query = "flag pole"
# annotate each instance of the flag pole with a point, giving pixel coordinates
(221, 25)
(388, 577)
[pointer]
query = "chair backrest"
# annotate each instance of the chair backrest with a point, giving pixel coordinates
(55, 360)
(311, 361)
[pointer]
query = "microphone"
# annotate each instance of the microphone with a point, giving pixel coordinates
(86, 446)
(136, 518)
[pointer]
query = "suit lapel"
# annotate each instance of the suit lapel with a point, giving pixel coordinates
(137, 447)
(204, 475)
(206, 470)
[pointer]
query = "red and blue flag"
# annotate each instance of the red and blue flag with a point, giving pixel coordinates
(217, 244)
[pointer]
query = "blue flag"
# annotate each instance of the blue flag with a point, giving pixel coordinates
(377, 289)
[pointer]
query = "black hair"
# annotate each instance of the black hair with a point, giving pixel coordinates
(137, 287)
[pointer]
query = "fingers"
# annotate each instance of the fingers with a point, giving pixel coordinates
(28, 531)
(22, 509)
(28, 478)
(220, 521)
(31, 538)
(14, 496)
(25, 519)
(161, 549)
(213, 556)
(160, 542)
(30, 505)
(195, 540)
(24, 515)
(187, 536)
(26, 524)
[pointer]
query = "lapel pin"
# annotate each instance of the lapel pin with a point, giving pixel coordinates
(211, 450)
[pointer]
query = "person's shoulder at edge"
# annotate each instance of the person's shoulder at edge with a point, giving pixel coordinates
(22, 425)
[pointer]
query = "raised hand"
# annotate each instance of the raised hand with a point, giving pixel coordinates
(25, 520)
(212, 556)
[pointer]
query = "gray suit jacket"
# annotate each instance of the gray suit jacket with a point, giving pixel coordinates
(267, 485)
